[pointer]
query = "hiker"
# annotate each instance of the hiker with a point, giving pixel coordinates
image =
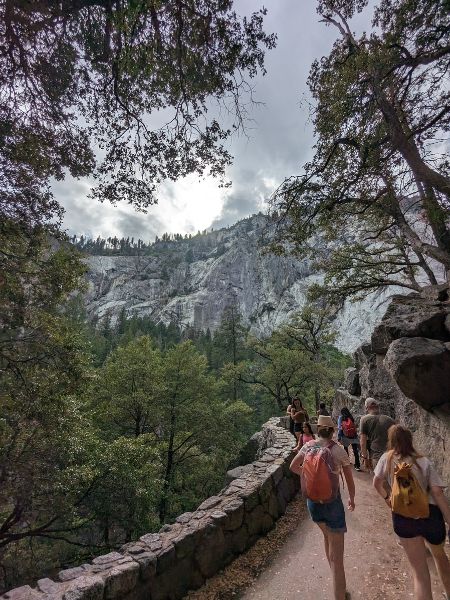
(373, 430)
(319, 463)
(306, 436)
(291, 420)
(299, 416)
(323, 410)
(418, 506)
(348, 435)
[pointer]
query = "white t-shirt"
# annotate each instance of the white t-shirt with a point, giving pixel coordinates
(340, 456)
(427, 475)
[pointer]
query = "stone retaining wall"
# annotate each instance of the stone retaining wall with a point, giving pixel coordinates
(165, 565)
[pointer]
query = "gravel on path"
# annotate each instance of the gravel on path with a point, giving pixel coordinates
(376, 567)
(289, 563)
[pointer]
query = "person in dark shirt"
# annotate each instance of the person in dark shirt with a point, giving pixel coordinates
(373, 433)
(323, 410)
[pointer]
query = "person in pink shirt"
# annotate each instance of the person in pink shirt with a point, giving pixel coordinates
(306, 436)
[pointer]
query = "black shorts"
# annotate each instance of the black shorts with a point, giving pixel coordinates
(298, 426)
(432, 528)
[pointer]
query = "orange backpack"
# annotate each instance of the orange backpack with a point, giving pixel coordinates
(319, 481)
(407, 496)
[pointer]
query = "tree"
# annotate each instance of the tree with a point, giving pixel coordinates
(43, 364)
(128, 387)
(229, 341)
(297, 359)
(196, 427)
(136, 80)
(280, 371)
(124, 500)
(313, 330)
(378, 174)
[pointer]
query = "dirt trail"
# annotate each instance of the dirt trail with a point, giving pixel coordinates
(375, 565)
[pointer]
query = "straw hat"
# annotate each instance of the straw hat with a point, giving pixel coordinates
(324, 421)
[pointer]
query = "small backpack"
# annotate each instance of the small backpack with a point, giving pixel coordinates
(348, 428)
(319, 481)
(407, 496)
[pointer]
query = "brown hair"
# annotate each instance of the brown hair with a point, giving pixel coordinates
(308, 425)
(325, 432)
(400, 442)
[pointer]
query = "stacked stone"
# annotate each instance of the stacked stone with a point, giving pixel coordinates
(183, 555)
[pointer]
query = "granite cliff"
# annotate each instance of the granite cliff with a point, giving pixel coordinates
(406, 366)
(191, 281)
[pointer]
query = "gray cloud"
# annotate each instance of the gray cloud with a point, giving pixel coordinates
(279, 141)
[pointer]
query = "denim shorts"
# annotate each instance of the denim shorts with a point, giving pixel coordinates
(331, 513)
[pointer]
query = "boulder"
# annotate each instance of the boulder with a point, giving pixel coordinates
(351, 381)
(436, 292)
(343, 398)
(411, 316)
(421, 368)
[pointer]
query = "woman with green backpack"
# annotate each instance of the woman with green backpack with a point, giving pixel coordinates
(418, 507)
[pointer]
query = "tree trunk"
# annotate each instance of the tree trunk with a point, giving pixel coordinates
(431, 179)
(426, 267)
(169, 469)
(417, 244)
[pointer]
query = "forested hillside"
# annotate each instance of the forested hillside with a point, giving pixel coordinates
(142, 425)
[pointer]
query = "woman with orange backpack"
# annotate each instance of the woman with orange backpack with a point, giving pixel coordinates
(418, 507)
(319, 464)
(348, 434)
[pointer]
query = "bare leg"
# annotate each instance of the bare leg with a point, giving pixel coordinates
(417, 556)
(442, 565)
(324, 529)
(334, 549)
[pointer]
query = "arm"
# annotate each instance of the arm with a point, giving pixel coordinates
(296, 464)
(348, 474)
(441, 501)
(378, 484)
(339, 427)
(299, 443)
(363, 443)
(289, 410)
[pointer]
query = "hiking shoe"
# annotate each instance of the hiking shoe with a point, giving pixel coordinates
(358, 469)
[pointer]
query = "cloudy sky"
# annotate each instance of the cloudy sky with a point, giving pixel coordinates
(279, 141)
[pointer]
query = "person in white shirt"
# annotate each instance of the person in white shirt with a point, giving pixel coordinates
(330, 515)
(414, 533)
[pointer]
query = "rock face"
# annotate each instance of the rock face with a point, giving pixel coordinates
(406, 366)
(165, 565)
(421, 368)
(192, 281)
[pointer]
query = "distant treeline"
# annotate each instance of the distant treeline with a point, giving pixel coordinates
(137, 247)
(127, 246)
